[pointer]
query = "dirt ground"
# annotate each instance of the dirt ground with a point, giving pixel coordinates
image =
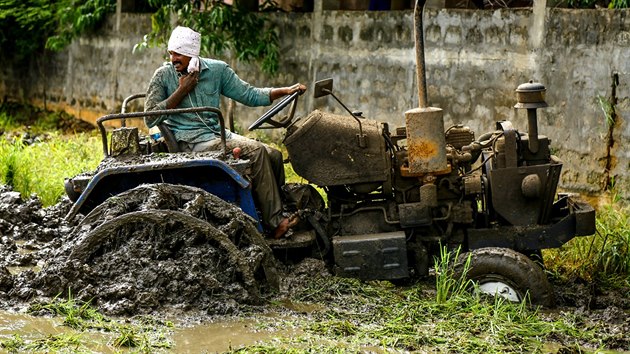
(166, 268)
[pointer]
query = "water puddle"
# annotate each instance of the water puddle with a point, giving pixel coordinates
(212, 337)
(223, 336)
(31, 329)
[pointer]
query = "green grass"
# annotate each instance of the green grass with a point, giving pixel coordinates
(603, 257)
(360, 316)
(142, 334)
(41, 168)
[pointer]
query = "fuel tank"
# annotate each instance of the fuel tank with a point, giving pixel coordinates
(324, 149)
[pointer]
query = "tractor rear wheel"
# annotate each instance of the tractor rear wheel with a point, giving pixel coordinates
(507, 273)
(176, 235)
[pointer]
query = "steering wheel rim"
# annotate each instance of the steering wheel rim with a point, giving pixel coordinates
(276, 109)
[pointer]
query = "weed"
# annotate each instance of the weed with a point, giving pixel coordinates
(607, 108)
(9, 155)
(446, 284)
(356, 315)
(13, 344)
(128, 337)
(605, 255)
(144, 335)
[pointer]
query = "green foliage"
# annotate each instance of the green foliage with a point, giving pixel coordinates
(605, 255)
(13, 344)
(144, 334)
(607, 109)
(35, 157)
(245, 34)
(619, 4)
(75, 17)
(28, 27)
(352, 315)
(590, 4)
(24, 27)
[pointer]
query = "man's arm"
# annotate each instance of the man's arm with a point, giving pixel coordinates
(157, 99)
(243, 92)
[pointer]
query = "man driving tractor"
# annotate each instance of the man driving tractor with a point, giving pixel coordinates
(189, 80)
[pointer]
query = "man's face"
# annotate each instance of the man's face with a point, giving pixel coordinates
(179, 61)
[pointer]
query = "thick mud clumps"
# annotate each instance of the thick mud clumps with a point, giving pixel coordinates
(25, 227)
(154, 248)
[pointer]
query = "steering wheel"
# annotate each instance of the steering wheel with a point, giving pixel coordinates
(266, 118)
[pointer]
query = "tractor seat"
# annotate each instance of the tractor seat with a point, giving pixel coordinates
(169, 138)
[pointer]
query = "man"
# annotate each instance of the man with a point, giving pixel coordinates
(191, 81)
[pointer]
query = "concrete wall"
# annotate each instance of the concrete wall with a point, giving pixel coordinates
(474, 59)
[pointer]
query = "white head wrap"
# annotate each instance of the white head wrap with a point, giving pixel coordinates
(186, 42)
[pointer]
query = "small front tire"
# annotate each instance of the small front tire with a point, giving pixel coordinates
(507, 273)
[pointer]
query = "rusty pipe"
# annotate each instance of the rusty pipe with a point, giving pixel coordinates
(419, 38)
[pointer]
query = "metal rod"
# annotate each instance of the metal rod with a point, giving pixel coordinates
(346, 108)
(419, 37)
(532, 130)
(99, 122)
(123, 123)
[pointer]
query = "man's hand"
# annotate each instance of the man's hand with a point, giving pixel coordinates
(297, 87)
(284, 91)
(187, 83)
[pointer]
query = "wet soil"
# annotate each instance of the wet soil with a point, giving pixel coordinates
(154, 248)
(198, 255)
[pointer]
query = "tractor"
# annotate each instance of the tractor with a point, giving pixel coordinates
(393, 197)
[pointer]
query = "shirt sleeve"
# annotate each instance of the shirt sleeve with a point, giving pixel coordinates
(241, 91)
(156, 97)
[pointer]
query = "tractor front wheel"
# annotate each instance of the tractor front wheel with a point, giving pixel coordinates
(507, 273)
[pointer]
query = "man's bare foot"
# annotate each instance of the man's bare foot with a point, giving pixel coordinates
(285, 225)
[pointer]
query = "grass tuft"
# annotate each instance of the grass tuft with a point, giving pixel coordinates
(145, 335)
(604, 256)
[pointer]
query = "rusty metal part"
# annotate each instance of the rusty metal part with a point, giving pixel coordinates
(531, 95)
(426, 144)
(414, 215)
(459, 136)
(510, 202)
(531, 186)
(576, 218)
(507, 149)
(428, 195)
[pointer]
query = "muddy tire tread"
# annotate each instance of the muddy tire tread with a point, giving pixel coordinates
(525, 274)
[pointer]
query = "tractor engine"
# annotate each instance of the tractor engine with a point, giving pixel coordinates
(423, 179)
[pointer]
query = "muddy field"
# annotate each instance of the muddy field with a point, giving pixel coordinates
(217, 267)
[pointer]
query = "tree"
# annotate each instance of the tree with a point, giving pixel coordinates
(236, 29)
(29, 27)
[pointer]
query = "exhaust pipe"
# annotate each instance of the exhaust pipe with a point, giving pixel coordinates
(426, 142)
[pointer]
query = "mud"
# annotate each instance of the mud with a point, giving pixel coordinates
(152, 249)
(147, 252)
